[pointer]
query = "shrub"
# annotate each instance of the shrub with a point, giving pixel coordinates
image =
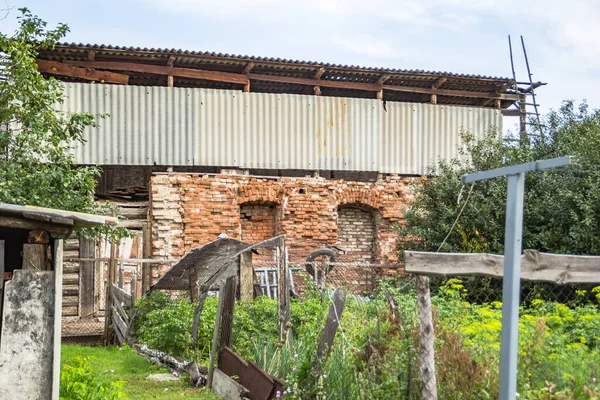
(77, 382)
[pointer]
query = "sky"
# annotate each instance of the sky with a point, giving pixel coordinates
(562, 38)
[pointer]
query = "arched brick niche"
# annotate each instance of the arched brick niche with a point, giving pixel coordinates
(357, 232)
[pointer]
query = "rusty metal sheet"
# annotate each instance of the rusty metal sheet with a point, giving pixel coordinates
(258, 382)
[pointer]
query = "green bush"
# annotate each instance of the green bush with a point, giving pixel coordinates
(77, 382)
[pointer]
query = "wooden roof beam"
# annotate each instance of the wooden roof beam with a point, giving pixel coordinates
(319, 73)
(439, 82)
(171, 60)
(371, 87)
(57, 68)
(454, 93)
(162, 70)
(248, 68)
(244, 79)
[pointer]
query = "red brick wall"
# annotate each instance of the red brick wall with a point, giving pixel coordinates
(189, 210)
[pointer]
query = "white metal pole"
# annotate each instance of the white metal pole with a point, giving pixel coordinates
(511, 286)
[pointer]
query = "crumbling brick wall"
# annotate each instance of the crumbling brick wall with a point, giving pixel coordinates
(189, 210)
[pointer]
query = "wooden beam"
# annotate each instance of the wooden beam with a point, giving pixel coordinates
(456, 93)
(242, 79)
(247, 87)
(535, 266)
(433, 99)
(248, 68)
(379, 94)
(91, 55)
(372, 87)
(169, 80)
(383, 78)
(57, 68)
(426, 359)
(246, 277)
(498, 103)
(171, 60)
(87, 249)
(123, 296)
(17, 223)
(162, 70)
(319, 73)
(439, 82)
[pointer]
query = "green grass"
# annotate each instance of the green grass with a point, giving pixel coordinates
(112, 364)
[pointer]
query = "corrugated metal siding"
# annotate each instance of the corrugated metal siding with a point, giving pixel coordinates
(180, 126)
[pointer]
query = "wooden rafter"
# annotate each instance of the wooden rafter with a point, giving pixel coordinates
(383, 78)
(171, 60)
(162, 70)
(439, 82)
(319, 73)
(57, 68)
(244, 79)
(317, 82)
(455, 93)
(248, 68)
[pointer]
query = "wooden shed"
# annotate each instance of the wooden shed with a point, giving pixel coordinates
(31, 246)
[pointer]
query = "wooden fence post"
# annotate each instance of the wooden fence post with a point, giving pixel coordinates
(246, 276)
(213, 350)
(147, 253)
(228, 294)
(87, 249)
(426, 358)
(283, 291)
(331, 325)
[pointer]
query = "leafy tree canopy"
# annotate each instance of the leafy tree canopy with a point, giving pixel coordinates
(37, 166)
(562, 206)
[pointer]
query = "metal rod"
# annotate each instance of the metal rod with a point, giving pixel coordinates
(511, 286)
(535, 105)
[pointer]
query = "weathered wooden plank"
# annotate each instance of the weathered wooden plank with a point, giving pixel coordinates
(70, 301)
(70, 290)
(331, 324)
(20, 223)
(117, 304)
(119, 325)
(428, 383)
(228, 295)
(70, 311)
(246, 276)
(147, 253)
(213, 350)
(87, 249)
(124, 297)
(163, 70)
(535, 266)
(34, 256)
(58, 68)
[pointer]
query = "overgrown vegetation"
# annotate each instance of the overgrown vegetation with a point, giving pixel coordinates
(374, 356)
(100, 373)
(37, 165)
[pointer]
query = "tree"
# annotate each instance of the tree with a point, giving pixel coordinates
(37, 166)
(562, 206)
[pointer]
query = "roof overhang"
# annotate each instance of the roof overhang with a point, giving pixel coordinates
(181, 68)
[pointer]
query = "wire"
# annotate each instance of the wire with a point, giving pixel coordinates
(457, 217)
